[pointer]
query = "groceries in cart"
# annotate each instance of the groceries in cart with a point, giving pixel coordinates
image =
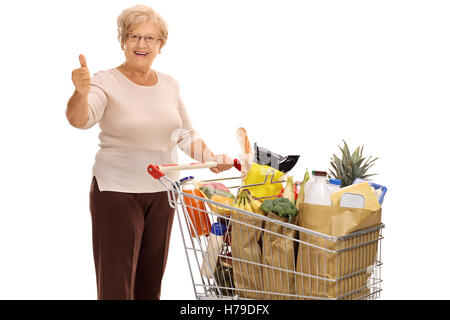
(352, 169)
(247, 155)
(215, 243)
(262, 170)
(224, 277)
(245, 248)
(266, 157)
(217, 192)
(348, 185)
(292, 194)
(263, 181)
(200, 223)
(273, 236)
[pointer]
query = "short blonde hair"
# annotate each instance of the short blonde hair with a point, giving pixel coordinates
(131, 17)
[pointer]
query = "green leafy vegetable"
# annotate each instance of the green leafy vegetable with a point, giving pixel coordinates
(280, 206)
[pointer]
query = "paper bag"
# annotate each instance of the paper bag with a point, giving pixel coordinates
(279, 252)
(333, 268)
(245, 245)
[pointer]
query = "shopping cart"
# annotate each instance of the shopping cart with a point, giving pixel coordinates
(311, 266)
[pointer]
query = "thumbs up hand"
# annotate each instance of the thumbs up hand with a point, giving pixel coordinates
(81, 77)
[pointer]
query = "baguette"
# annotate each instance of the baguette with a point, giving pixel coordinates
(247, 154)
(242, 137)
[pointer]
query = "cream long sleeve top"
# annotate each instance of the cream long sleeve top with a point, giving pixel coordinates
(139, 125)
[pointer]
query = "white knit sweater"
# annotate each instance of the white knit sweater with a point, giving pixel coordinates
(139, 125)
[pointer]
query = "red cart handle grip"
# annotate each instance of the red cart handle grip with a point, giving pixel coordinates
(154, 171)
(237, 164)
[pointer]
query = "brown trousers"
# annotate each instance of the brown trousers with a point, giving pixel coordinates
(131, 234)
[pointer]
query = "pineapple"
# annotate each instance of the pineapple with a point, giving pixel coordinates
(351, 166)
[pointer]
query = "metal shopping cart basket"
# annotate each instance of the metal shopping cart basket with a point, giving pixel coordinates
(283, 261)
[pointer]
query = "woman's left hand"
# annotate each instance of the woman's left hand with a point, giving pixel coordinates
(224, 163)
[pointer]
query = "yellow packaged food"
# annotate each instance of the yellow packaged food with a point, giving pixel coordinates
(257, 174)
(364, 189)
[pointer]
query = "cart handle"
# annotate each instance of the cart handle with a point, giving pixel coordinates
(158, 171)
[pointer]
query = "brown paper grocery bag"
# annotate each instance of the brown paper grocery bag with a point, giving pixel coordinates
(245, 245)
(318, 260)
(278, 251)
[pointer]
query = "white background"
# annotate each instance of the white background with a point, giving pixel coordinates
(300, 76)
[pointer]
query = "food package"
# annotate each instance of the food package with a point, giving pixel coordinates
(379, 190)
(218, 192)
(215, 188)
(269, 158)
(257, 175)
(224, 277)
(364, 189)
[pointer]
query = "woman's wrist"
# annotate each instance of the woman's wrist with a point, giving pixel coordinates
(209, 156)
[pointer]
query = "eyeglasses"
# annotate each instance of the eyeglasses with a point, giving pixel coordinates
(135, 38)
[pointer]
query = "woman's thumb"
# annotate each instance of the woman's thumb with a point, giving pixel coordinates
(83, 61)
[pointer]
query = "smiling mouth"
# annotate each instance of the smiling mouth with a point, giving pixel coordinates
(141, 53)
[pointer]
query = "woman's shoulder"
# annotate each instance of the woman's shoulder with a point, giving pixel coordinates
(104, 76)
(167, 78)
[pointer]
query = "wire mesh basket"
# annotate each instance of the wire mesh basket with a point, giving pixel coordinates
(263, 257)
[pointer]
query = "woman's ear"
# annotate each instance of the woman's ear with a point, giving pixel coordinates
(160, 47)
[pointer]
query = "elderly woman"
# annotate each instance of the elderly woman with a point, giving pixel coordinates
(142, 120)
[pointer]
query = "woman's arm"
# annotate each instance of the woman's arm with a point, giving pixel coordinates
(198, 151)
(77, 111)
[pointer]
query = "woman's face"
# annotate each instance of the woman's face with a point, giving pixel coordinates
(141, 46)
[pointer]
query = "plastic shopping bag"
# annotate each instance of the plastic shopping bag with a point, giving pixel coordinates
(257, 174)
